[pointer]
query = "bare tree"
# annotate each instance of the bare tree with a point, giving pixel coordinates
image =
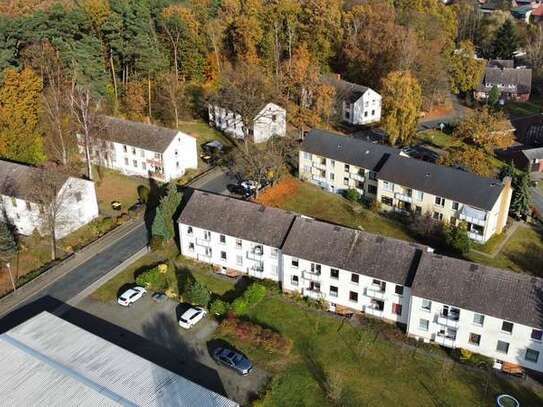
(534, 50)
(172, 91)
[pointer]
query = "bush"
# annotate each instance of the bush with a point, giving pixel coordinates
(143, 193)
(197, 293)
(218, 307)
(256, 335)
(122, 218)
(457, 238)
(254, 294)
(154, 279)
(240, 306)
(156, 243)
(352, 195)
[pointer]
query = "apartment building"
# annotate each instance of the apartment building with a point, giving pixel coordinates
(141, 149)
(448, 194)
(337, 163)
(76, 203)
(350, 269)
(234, 235)
(270, 121)
(492, 312)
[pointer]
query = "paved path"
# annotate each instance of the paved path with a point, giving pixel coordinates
(215, 180)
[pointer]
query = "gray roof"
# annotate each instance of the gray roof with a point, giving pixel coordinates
(237, 218)
(48, 361)
(19, 181)
(142, 135)
(533, 153)
(457, 185)
(348, 91)
(515, 297)
(347, 149)
(353, 250)
(501, 63)
(520, 77)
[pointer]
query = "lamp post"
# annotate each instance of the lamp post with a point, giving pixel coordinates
(8, 265)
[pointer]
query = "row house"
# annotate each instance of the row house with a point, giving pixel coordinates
(271, 120)
(358, 105)
(495, 313)
(351, 270)
(141, 149)
(441, 300)
(514, 83)
(399, 183)
(234, 235)
(20, 206)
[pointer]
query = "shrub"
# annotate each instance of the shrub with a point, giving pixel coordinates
(218, 307)
(197, 293)
(352, 195)
(122, 218)
(143, 193)
(254, 294)
(240, 306)
(154, 279)
(156, 243)
(256, 335)
(457, 238)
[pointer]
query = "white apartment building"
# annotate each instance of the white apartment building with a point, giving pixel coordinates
(141, 149)
(19, 186)
(337, 163)
(234, 235)
(358, 105)
(270, 121)
(448, 194)
(351, 270)
(495, 313)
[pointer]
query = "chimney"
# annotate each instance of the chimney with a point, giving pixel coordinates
(338, 76)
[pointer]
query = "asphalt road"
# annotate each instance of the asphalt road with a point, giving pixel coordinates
(215, 181)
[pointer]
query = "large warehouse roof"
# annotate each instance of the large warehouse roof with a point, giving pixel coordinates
(48, 361)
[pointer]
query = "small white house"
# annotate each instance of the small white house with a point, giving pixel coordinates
(270, 121)
(359, 105)
(76, 199)
(141, 149)
(234, 235)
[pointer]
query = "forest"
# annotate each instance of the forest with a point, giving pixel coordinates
(162, 60)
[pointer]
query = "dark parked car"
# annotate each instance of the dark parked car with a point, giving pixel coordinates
(233, 360)
(239, 190)
(212, 151)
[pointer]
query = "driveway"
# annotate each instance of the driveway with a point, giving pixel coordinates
(158, 324)
(216, 180)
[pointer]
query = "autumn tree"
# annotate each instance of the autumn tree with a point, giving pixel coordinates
(173, 93)
(469, 158)
(402, 99)
(465, 70)
(20, 97)
(485, 129)
(134, 100)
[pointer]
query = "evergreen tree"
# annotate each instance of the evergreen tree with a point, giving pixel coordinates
(520, 201)
(506, 41)
(159, 227)
(493, 97)
(163, 224)
(457, 238)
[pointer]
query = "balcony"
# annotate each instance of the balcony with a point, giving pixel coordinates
(373, 310)
(313, 293)
(357, 177)
(476, 236)
(257, 268)
(445, 340)
(255, 254)
(203, 242)
(319, 165)
(375, 292)
(309, 276)
(472, 215)
(403, 197)
(448, 321)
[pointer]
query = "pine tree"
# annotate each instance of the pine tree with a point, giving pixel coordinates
(163, 224)
(493, 96)
(520, 201)
(506, 41)
(159, 227)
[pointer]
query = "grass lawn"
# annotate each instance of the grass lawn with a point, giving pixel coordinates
(522, 109)
(491, 245)
(335, 364)
(438, 139)
(202, 131)
(310, 200)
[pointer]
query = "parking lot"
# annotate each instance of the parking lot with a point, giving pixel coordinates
(158, 323)
(215, 180)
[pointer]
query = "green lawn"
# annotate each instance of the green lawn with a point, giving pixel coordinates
(312, 201)
(202, 131)
(438, 139)
(522, 109)
(334, 364)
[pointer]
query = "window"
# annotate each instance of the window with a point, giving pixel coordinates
(373, 112)
(388, 186)
(316, 268)
(223, 255)
(333, 291)
(355, 278)
(295, 263)
(208, 251)
(380, 285)
(418, 195)
(346, 181)
(536, 334)
(334, 273)
(332, 176)
(125, 161)
(177, 164)
(134, 150)
(424, 324)
(158, 156)
(307, 156)
(222, 239)
(332, 163)
(372, 189)
(191, 247)
(176, 153)
(507, 327)
(502, 347)
(347, 167)
(437, 216)
(426, 305)
(29, 205)
(207, 235)
(478, 319)
(531, 355)
(77, 198)
(323, 161)
(135, 163)
(373, 176)
(385, 200)
(397, 309)
(294, 280)
(142, 153)
(239, 260)
(238, 243)
(189, 230)
(439, 201)
(399, 290)
(274, 252)
(353, 296)
(274, 117)
(365, 114)
(143, 165)
(125, 149)
(455, 206)
(474, 339)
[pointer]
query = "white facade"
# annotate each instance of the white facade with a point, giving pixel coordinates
(270, 121)
(378, 298)
(365, 110)
(495, 338)
(230, 253)
(78, 206)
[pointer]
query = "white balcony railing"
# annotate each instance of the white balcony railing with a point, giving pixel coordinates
(319, 166)
(475, 236)
(312, 293)
(403, 197)
(307, 275)
(450, 322)
(445, 340)
(203, 242)
(357, 177)
(375, 292)
(470, 219)
(372, 310)
(255, 254)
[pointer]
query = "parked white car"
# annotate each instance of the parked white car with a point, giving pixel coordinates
(191, 317)
(130, 296)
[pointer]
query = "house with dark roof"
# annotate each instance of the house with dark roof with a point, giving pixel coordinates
(21, 204)
(447, 194)
(142, 149)
(358, 105)
(234, 235)
(513, 83)
(336, 162)
(496, 313)
(530, 160)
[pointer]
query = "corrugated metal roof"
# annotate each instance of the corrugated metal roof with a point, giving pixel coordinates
(49, 361)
